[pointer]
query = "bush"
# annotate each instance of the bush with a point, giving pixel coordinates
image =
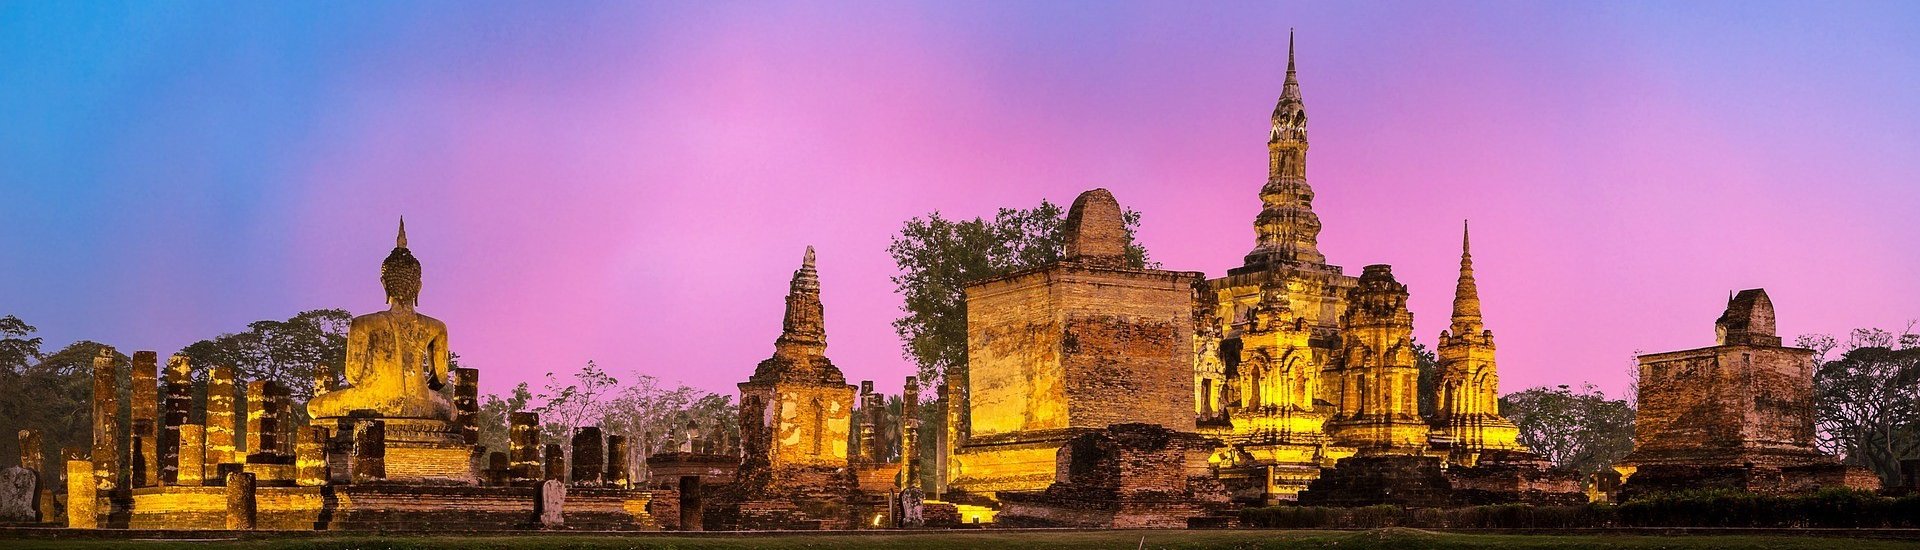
(1832, 507)
(1517, 516)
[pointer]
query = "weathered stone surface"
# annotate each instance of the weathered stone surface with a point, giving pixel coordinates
(221, 417)
(192, 467)
(466, 403)
(1401, 480)
(523, 451)
(1125, 476)
(176, 409)
(551, 506)
(106, 427)
(82, 501)
(242, 506)
(554, 467)
(145, 418)
(1052, 350)
(497, 468)
(1377, 380)
(269, 433)
(912, 505)
(33, 457)
(1736, 415)
(617, 471)
(589, 457)
(137, 445)
(369, 450)
(1095, 231)
(19, 495)
(309, 457)
(384, 349)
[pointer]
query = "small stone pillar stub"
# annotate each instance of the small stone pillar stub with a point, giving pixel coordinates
(82, 504)
(369, 451)
(192, 467)
(498, 471)
(466, 403)
(523, 449)
(33, 457)
(310, 457)
(589, 456)
(146, 417)
(556, 464)
(242, 504)
(617, 461)
(176, 408)
(548, 506)
(221, 417)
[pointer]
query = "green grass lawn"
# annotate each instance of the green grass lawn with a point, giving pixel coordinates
(1237, 539)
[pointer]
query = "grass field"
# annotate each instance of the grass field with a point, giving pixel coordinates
(1065, 540)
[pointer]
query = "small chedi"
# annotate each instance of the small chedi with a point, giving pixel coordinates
(1736, 415)
(389, 449)
(797, 413)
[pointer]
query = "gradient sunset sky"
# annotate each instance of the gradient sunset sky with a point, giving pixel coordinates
(634, 183)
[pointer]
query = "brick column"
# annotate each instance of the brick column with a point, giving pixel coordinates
(556, 464)
(466, 403)
(523, 448)
(106, 428)
(82, 504)
(242, 503)
(221, 418)
(146, 408)
(310, 457)
(175, 410)
(589, 456)
(192, 466)
(616, 461)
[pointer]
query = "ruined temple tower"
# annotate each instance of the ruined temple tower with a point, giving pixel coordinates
(1467, 398)
(796, 412)
(1738, 414)
(1374, 375)
(1069, 348)
(1266, 332)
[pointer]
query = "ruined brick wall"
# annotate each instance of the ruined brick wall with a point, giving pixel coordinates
(807, 424)
(1725, 399)
(1059, 347)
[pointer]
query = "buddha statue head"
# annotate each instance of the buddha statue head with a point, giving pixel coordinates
(400, 273)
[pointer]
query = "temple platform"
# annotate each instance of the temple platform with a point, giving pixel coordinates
(377, 507)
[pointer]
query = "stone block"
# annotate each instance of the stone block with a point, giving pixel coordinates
(550, 508)
(242, 503)
(589, 457)
(19, 495)
(82, 503)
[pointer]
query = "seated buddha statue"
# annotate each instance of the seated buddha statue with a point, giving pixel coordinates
(396, 359)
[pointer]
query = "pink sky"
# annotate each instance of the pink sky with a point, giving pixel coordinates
(635, 187)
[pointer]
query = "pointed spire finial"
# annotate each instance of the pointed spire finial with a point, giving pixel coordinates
(808, 262)
(1292, 88)
(1465, 239)
(400, 241)
(1289, 50)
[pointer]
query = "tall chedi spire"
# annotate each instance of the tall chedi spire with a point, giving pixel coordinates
(1467, 394)
(1287, 230)
(801, 349)
(1466, 296)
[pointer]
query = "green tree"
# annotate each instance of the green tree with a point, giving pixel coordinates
(55, 396)
(1583, 430)
(491, 419)
(286, 352)
(1427, 383)
(568, 405)
(1867, 399)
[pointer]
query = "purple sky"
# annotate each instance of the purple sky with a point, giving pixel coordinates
(634, 183)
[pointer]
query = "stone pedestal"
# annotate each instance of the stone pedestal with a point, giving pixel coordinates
(81, 502)
(242, 506)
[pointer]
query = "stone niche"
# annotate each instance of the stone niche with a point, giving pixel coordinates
(1057, 350)
(1125, 476)
(1736, 415)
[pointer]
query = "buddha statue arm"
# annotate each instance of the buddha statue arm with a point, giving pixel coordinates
(438, 354)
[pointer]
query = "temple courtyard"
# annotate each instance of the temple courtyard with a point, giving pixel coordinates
(1772, 539)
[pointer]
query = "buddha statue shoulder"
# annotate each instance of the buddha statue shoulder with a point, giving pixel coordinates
(397, 360)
